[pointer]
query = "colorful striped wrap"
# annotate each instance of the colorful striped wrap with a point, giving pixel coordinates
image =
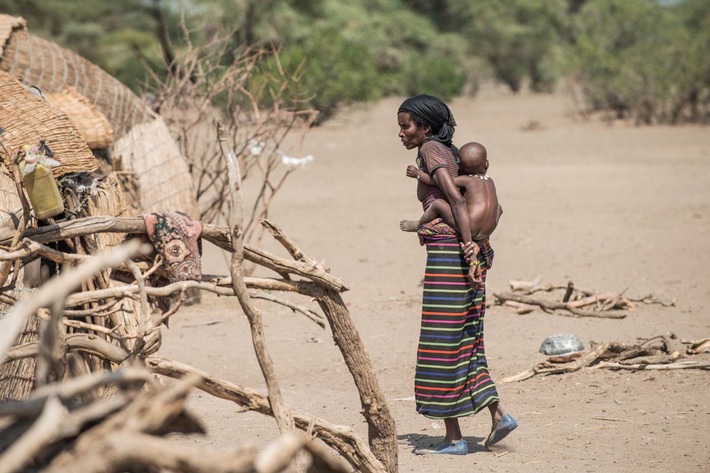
(451, 378)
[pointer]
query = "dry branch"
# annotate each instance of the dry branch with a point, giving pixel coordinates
(552, 368)
(36, 438)
(657, 353)
(680, 365)
(70, 388)
(216, 234)
(236, 230)
(549, 306)
(341, 438)
(59, 287)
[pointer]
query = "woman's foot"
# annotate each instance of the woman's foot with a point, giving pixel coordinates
(409, 225)
(500, 430)
(455, 447)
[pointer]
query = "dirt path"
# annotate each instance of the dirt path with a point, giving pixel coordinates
(608, 207)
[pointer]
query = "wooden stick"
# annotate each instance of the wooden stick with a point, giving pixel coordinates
(281, 453)
(586, 359)
(150, 412)
(342, 438)
(59, 287)
(382, 430)
(72, 388)
(87, 343)
(30, 247)
(317, 318)
(131, 451)
(51, 359)
(35, 439)
(14, 169)
(216, 234)
(551, 306)
(283, 419)
(679, 365)
(519, 307)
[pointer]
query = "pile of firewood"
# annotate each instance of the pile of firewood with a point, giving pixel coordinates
(663, 352)
(573, 302)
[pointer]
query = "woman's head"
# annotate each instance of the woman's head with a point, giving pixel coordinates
(429, 112)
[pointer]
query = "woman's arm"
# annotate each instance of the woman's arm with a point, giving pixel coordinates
(419, 175)
(443, 179)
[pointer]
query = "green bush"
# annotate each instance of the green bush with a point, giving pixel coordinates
(640, 60)
(435, 75)
(330, 70)
(520, 39)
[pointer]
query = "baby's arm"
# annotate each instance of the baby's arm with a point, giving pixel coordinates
(415, 172)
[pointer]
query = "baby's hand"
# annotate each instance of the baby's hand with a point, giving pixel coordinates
(475, 277)
(412, 171)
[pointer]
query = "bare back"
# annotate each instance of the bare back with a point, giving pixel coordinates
(481, 203)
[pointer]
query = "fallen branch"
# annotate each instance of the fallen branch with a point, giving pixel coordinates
(656, 353)
(546, 367)
(679, 365)
(549, 306)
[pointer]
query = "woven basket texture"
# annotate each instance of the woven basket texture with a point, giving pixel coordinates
(16, 377)
(50, 67)
(139, 134)
(27, 119)
(92, 125)
(8, 24)
(149, 154)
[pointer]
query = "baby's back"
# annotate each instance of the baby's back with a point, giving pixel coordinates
(482, 204)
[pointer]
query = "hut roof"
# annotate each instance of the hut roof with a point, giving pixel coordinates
(27, 119)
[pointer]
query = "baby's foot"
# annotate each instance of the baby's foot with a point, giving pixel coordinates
(408, 225)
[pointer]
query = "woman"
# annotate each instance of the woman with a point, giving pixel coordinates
(451, 379)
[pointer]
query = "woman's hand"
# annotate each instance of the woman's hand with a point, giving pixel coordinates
(413, 171)
(470, 251)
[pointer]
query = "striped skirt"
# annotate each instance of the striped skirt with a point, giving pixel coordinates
(451, 378)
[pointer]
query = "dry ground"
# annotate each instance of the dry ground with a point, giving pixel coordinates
(608, 206)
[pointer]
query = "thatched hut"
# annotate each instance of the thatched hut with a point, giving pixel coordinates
(88, 188)
(154, 174)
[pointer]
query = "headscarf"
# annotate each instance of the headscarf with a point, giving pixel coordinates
(435, 113)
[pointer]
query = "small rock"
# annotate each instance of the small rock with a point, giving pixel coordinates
(561, 344)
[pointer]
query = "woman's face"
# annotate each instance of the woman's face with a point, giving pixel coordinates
(412, 136)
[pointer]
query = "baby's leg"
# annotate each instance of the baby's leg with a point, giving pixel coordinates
(432, 212)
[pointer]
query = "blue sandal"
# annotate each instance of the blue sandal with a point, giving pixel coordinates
(506, 425)
(457, 447)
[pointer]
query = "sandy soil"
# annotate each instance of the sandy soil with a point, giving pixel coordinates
(607, 206)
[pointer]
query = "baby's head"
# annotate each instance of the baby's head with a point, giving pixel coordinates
(473, 158)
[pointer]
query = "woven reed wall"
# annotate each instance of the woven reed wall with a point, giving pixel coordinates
(27, 119)
(149, 154)
(16, 377)
(91, 124)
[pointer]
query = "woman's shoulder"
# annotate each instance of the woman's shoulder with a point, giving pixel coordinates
(435, 149)
(433, 145)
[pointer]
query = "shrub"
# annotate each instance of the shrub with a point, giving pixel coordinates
(639, 60)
